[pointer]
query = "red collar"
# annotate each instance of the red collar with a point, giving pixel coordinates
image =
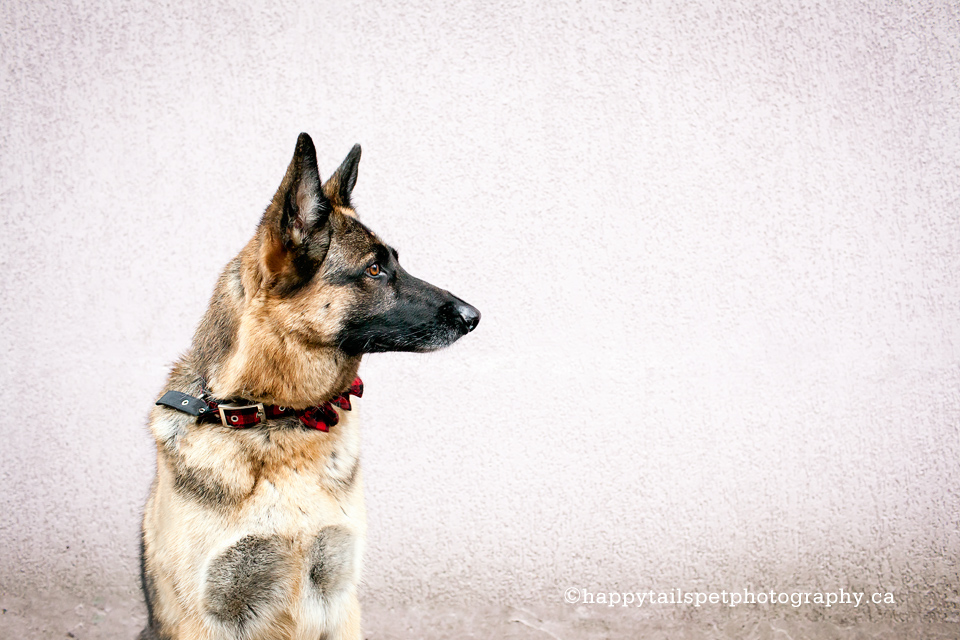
(241, 416)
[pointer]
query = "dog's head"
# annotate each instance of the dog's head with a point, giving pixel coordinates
(327, 279)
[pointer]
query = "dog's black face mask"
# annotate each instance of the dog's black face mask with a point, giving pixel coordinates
(395, 311)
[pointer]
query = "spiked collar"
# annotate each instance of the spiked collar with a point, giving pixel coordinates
(241, 416)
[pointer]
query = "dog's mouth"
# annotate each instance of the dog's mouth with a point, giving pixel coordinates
(454, 320)
(411, 331)
(442, 338)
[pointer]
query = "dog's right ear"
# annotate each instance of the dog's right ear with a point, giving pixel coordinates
(295, 234)
(340, 185)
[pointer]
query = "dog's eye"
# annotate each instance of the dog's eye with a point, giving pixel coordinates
(374, 270)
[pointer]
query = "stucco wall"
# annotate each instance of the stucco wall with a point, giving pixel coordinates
(716, 247)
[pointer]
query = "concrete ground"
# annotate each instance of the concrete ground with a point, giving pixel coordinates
(119, 615)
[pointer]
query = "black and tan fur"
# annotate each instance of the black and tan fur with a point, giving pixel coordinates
(257, 534)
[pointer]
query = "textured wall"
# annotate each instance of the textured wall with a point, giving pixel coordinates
(716, 248)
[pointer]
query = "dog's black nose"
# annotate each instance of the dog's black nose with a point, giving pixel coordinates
(469, 315)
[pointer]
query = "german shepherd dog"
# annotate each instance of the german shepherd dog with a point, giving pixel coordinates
(257, 533)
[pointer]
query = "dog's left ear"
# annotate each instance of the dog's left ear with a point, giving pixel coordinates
(295, 233)
(340, 185)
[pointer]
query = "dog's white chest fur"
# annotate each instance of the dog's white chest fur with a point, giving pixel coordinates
(284, 560)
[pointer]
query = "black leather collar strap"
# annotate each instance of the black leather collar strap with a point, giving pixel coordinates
(182, 402)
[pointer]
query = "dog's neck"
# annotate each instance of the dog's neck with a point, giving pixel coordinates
(268, 366)
(250, 356)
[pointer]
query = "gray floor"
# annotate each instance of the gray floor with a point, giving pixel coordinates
(120, 616)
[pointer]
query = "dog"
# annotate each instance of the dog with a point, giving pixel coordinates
(255, 524)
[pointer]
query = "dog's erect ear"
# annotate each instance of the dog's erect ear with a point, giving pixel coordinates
(340, 185)
(296, 236)
(300, 202)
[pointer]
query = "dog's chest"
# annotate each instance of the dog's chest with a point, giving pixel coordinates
(292, 551)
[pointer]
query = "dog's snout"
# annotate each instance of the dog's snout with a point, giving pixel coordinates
(469, 315)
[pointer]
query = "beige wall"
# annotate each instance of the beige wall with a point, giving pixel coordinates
(716, 247)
